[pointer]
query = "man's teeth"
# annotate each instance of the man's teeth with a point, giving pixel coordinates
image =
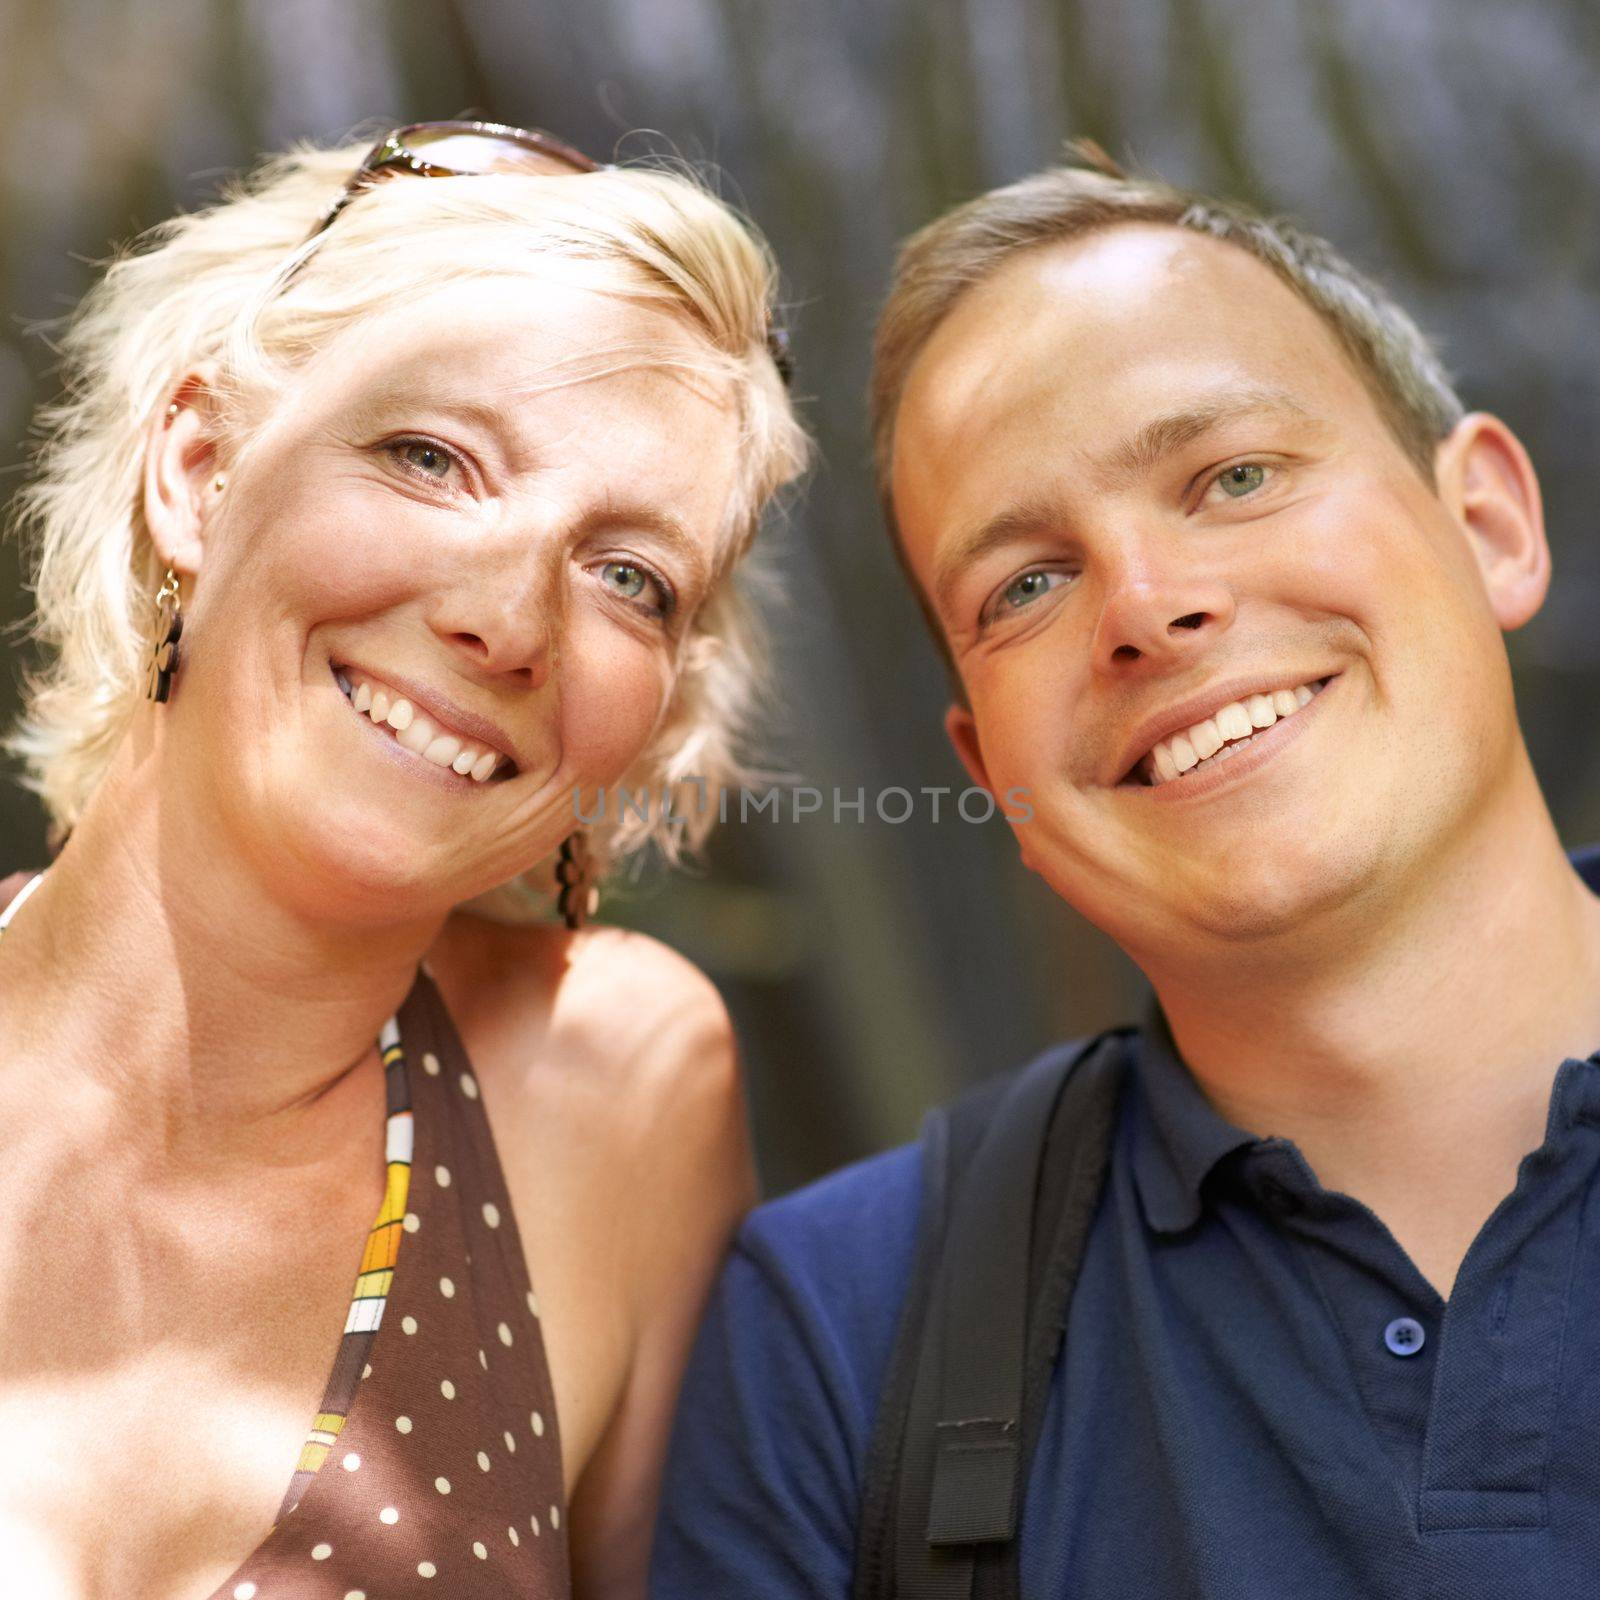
(418, 733)
(1222, 733)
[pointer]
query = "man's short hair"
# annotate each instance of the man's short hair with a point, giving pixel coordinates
(1089, 192)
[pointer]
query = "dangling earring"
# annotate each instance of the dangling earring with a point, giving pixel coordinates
(161, 665)
(578, 898)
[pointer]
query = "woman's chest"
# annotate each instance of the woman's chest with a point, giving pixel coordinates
(154, 1399)
(154, 1480)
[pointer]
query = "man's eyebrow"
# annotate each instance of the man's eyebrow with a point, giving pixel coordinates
(1161, 436)
(1018, 522)
(1126, 463)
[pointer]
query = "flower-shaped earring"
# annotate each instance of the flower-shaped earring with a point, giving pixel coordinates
(579, 898)
(161, 663)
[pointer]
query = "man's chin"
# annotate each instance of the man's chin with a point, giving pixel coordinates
(1281, 914)
(1276, 890)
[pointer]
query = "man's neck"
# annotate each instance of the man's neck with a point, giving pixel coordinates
(180, 992)
(1411, 1059)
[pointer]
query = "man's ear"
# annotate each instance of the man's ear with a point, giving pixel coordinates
(1488, 483)
(962, 729)
(963, 734)
(180, 470)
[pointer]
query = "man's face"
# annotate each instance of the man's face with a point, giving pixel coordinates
(1144, 488)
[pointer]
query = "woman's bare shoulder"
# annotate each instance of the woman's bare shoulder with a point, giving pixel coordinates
(627, 1015)
(609, 1070)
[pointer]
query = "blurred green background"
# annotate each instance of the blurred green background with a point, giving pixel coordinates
(1450, 146)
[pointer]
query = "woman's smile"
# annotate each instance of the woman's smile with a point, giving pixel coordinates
(428, 737)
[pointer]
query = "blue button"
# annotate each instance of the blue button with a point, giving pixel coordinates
(1404, 1336)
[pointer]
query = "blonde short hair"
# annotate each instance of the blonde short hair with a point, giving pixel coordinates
(210, 288)
(1090, 192)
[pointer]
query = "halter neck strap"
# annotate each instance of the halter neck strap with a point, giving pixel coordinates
(17, 899)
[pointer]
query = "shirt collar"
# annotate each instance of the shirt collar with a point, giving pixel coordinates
(1178, 1136)
(1587, 864)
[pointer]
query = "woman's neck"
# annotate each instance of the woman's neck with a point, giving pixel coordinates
(159, 964)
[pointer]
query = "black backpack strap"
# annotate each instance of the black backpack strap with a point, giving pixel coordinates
(1003, 1227)
(950, 1134)
(1071, 1178)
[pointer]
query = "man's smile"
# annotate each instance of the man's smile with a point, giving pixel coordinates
(1235, 737)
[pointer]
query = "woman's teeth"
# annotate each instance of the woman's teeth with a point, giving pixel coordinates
(419, 734)
(1225, 731)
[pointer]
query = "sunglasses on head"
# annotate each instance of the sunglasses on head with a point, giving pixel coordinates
(478, 149)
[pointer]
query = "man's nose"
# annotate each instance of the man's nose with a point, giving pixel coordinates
(1150, 619)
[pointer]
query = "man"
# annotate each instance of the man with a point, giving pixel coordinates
(1221, 570)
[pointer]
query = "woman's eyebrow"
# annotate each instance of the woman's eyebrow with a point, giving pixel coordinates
(668, 529)
(405, 395)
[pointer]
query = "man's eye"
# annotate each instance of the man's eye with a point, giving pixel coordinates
(1241, 479)
(1029, 587)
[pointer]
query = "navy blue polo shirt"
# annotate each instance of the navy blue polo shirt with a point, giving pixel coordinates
(1261, 1397)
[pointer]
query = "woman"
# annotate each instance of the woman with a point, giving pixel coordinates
(440, 503)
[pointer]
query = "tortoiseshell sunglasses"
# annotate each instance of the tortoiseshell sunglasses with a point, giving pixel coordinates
(477, 149)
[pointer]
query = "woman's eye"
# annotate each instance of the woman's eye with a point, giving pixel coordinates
(427, 460)
(631, 582)
(1241, 479)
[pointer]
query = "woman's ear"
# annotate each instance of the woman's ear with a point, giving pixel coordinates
(181, 483)
(1488, 483)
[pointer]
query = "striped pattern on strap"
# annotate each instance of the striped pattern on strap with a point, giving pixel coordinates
(374, 1279)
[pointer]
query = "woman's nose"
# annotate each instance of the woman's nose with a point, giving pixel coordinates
(506, 628)
(529, 664)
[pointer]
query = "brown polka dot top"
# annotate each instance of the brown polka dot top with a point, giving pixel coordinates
(434, 1468)
(434, 1465)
